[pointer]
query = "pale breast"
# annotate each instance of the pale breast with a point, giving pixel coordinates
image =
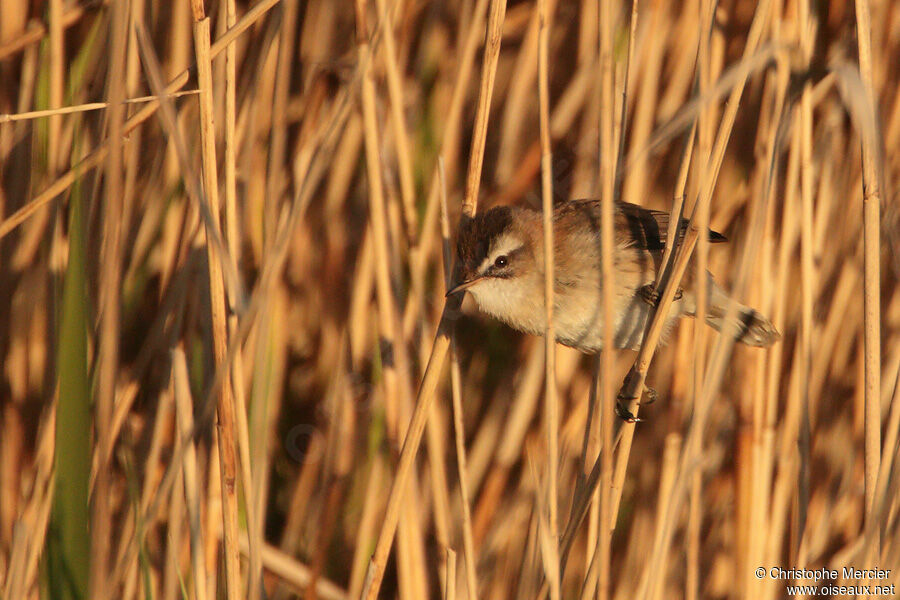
(512, 302)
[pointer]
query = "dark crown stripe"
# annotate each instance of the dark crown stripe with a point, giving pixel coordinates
(476, 234)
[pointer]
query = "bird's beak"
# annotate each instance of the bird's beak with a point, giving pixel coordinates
(464, 286)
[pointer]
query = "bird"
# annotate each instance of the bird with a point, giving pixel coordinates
(500, 262)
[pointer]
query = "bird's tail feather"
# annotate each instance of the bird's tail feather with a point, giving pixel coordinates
(749, 327)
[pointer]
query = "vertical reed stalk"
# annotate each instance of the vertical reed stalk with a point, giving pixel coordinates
(458, 423)
(450, 589)
(185, 420)
(398, 119)
(233, 241)
(375, 573)
(110, 286)
(551, 401)
(807, 273)
(606, 411)
(227, 433)
(705, 129)
(395, 386)
(871, 265)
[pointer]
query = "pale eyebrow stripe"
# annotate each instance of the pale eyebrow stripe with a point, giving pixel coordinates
(508, 247)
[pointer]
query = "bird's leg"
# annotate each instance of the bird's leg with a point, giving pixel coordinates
(629, 393)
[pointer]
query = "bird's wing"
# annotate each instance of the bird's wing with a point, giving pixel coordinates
(650, 227)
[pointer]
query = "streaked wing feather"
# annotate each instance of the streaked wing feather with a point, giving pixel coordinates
(649, 227)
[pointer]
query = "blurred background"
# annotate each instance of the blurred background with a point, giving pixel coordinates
(242, 282)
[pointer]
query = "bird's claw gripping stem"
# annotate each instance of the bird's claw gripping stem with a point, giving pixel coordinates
(650, 294)
(623, 413)
(622, 404)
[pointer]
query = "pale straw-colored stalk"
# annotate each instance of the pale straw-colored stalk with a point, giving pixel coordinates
(185, 420)
(441, 346)
(227, 433)
(458, 423)
(233, 241)
(98, 155)
(871, 263)
(110, 289)
(551, 400)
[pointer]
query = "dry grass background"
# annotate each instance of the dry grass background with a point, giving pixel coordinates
(219, 298)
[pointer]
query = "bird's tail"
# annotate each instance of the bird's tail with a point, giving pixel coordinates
(747, 325)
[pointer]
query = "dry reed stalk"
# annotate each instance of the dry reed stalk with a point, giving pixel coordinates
(482, 114)
(227, 433)
(785, 481)
(233, 241)
(98, 155)
(516, 110)
(546, 545)
(398, 120)
(584, 184)
(690, 458)
(289, 570)
(37, 30)
(28, 538)
(439, 351)
(162, 264)
(645, 104)
(57, 81)
(635, 379)
(438, 480)
(365, 533)
(886, 468)
(509, 449)
(133, 83)
(807, 274)
(184, 408)
(395, 362)
(268, 381)
(303, 491)
(450, 135)
(162, 424)
(450, 578)
(90, 106)
(171, 573)
(605, 410)
(551, 401)
(469, 554)
(387, 311)
(275, 183)
(254, 520)
(705, 130)
(666, 485)
(110, 286)
(872, 268)
(468, 540)
(765, 403)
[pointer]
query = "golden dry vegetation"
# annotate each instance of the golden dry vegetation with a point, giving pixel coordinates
(229, 369)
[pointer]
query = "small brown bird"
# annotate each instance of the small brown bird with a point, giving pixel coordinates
(501, 263)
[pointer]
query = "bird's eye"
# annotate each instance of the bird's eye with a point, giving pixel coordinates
(501, 262)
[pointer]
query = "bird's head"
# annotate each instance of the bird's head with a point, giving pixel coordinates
(494, 249)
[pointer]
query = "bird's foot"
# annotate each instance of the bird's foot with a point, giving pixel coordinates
(622, 405)
(623, 413)
(652, 396)
(650, 294)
